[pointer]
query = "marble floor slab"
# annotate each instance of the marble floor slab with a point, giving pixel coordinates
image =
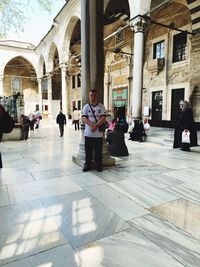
(126, 249)
(182, 213)
(137, 168)
(23, 212)
(84, 218)
(16, 177)
(86, 179)
(161, 180)
(4, 200)
(47, 174)
(190, 175)
(121, 205)
(178, 244)
(19, 163)
(40, 189)
(61, 256)
(109, 177)
(144, 194)
(174, 159)
(31, 233)
(187, 191)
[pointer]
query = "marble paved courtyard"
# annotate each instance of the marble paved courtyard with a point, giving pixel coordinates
(142, 212)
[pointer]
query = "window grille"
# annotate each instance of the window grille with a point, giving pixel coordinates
(179, 47)
(159, 50)
(119, 37)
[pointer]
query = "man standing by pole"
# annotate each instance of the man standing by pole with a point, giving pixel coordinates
(94, 115)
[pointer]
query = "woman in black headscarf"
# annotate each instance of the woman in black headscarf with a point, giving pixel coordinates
(186, 123)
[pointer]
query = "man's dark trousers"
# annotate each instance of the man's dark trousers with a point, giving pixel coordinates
(61, 127)
(96, 144)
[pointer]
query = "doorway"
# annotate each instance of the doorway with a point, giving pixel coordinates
(177, 95)
(120, 112)
(157, 100)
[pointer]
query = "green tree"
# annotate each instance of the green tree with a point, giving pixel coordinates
(13, 14)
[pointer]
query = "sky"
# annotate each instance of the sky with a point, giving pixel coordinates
(38, 23)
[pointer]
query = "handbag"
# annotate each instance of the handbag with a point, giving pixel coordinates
(103, 126)
(186, 137)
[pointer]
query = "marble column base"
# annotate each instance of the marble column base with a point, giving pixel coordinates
(15, 135)
(80, 158)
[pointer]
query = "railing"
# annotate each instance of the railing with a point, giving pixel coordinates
(12, 104)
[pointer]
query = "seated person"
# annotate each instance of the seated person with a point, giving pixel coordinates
(116, 142)
(146, 126)
(137, 132)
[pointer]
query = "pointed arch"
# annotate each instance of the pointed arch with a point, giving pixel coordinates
(41, 66)
(71, 24)
(52, 51)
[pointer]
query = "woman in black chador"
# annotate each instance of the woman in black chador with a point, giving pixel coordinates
(116, 142)
(185, 122)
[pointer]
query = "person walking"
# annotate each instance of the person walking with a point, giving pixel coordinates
(61, 121)
(75, 118)
(185, 123)
(93, 115)
(37, 117)
(32, 121)
(25, 126)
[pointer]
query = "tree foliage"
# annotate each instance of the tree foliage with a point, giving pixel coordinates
(13, 14)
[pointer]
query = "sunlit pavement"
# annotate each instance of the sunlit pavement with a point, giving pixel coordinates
(145, 211)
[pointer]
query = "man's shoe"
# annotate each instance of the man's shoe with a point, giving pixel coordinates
(86, 168)
(99, 169)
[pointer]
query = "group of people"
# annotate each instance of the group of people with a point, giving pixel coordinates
(94, 116)
(32, 121)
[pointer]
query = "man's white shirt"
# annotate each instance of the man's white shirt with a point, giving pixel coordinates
(99, 111)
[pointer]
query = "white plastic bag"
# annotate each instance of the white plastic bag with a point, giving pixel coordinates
(186, 137)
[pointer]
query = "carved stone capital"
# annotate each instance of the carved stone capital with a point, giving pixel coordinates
(137, 25)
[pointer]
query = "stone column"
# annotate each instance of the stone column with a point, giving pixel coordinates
(96, 47)
(137, 26)
(49, 80)
(130, 83)
(40, 94)
(85, 72)
(92, 58)
(1, 85)
(85, 50)
(64, 89)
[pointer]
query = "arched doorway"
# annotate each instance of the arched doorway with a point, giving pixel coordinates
(20, 81)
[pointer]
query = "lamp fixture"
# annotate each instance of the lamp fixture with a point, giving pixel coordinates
(119, 51)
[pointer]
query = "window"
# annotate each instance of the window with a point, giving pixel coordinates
(16, 84)
(79, 80)
(73, 105)
(179, 47)
(79, 104)
(73, 81)
(44, 85)
(119, 37)
(159, 50)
